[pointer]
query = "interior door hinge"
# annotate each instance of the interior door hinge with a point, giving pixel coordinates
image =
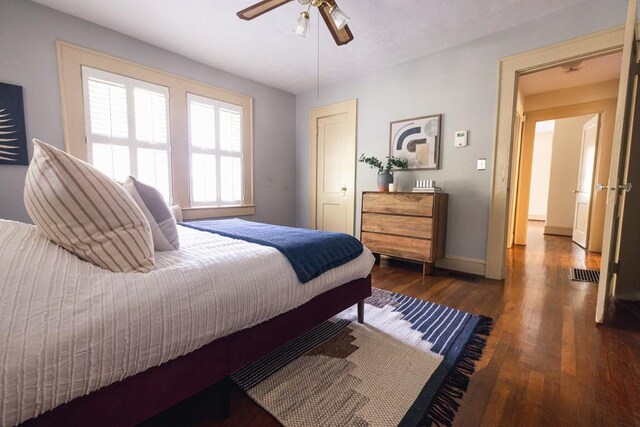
(616, 268)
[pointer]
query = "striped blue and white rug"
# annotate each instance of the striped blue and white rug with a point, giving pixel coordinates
(409, 364)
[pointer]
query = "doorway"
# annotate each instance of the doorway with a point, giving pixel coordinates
(569, 116)
(622, 166)
(569, 113)
(562, 166)
(332, 166)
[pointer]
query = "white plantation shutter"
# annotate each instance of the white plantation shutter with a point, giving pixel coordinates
(151, 116)
(231, 176)
(203, 178)
(153, 168)
(230, 130)
(107, 109)
(215, 146)
(112, 160)
(127, 128)
(202, 125)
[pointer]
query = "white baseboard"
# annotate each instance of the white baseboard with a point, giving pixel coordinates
(535, 217)
(558, 231)
(463, 264)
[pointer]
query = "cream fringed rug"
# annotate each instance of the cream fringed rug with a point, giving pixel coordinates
(407, 365)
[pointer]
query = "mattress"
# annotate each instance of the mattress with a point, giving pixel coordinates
(68, 328)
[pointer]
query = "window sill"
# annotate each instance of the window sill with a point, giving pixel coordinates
(204, 212)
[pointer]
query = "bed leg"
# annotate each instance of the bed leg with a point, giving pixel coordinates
(361, 311)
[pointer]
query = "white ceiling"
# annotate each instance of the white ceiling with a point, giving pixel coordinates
(599, 69)
(387, 32)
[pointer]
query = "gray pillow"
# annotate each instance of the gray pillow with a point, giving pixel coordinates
(163, 224)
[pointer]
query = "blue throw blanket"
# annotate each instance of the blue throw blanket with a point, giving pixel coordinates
(310, 252)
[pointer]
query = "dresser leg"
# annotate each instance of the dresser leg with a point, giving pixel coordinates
(361, 311)
(377, 257)
(427, 268)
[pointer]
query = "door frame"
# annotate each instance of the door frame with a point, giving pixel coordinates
(521, 196)
(509, 70)
(519, 122)
(351, 109)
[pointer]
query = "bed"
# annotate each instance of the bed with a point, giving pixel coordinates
(80, 345)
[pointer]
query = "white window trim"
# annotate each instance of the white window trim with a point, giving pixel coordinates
(70, 60)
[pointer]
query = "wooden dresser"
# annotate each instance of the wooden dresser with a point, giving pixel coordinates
(405, 225)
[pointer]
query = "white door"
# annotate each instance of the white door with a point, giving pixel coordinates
(581, 217)
(335, 168)
(619, 165)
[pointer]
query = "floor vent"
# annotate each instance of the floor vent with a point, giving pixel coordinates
(583, 275)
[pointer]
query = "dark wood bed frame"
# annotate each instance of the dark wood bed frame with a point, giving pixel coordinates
(148, 393)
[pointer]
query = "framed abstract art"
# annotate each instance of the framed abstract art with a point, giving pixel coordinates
(417, 140)
(13, 136)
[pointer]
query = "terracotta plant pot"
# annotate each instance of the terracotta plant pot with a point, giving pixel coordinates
(384, 179)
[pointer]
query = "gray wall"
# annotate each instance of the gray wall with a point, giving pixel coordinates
(28, 33)
(460, 83)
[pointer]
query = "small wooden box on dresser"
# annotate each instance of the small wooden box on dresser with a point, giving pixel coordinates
(405, 225)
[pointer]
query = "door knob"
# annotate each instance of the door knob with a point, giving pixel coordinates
(576, 191)
(625, 187)
(622, 187)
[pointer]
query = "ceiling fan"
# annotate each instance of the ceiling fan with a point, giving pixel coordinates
(333, 16)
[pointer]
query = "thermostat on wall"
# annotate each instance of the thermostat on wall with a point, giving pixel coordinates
(461, 139)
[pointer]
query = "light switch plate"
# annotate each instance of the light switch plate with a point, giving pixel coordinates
(461, 139)
(482, 164)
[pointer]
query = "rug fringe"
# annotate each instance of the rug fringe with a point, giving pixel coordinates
(445, 404)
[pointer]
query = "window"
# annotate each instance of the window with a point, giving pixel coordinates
(215, 150)
(192, 141)
(127, 128)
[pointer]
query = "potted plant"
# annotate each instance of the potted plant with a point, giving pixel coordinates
(385, 171)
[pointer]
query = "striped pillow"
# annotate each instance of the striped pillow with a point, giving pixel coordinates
(86, 212)
(163, 224)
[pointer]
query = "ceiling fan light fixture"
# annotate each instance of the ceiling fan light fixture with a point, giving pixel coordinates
(302, 25)
(340, 18)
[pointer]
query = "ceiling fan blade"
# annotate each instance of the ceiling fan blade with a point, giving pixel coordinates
(341, 37)
(260, 8)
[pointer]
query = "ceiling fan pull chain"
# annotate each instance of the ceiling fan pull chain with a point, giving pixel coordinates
(318, 58)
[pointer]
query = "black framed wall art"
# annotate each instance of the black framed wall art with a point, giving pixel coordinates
(13, 135)
(417, 140)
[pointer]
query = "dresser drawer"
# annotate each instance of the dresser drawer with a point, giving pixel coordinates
(404, 247)
(399, 203)
(411, 226)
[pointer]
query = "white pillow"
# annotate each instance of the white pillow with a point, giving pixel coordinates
(157, 212)
(86, 212)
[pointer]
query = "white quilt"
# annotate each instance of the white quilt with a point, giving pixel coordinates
(68, 328)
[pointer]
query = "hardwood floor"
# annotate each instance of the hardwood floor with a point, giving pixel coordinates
(546, 362)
